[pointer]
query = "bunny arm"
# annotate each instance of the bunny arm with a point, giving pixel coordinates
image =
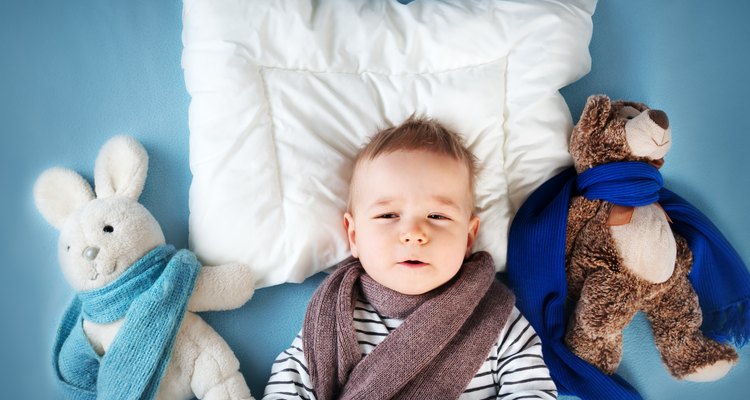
(223, 287)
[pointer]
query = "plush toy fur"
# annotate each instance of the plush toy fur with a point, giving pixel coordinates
(117, 231)
(620, 260)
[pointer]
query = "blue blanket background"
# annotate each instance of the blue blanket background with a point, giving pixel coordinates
(74, 73)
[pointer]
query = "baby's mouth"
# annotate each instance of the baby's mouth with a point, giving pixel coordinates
(413, 263)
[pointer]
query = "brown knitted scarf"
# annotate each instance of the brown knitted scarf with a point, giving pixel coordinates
(444, 339)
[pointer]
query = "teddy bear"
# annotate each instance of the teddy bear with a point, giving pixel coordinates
(604, 239)
(132, 330)
(621, 259)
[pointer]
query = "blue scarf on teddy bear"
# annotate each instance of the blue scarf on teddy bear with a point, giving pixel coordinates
(152, 296)
(719, 276)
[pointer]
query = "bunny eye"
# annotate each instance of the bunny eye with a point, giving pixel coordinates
(108, 229)
(68, 248)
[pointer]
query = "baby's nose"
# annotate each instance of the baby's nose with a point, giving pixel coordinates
(413, 236)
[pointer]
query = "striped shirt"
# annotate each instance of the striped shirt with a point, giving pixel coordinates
(514, 368)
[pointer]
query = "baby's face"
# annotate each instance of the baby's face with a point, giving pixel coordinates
(411, 221)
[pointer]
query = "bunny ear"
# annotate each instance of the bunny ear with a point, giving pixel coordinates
(121, 168)
(58, 192)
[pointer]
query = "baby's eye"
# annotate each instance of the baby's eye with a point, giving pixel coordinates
(387, 216)
(437, 216)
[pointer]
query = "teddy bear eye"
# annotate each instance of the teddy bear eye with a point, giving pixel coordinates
(108, 228)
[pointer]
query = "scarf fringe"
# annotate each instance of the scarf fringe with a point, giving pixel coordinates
(730, 324)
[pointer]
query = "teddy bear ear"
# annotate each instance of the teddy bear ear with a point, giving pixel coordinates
(121, 168)
(595, 114)
(58, 192)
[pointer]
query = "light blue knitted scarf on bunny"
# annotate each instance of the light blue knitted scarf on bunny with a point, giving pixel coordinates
(152, 295)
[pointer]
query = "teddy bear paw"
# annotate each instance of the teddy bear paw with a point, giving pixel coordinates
(711, 372)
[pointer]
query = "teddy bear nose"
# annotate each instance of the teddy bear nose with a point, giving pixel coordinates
(659, 117)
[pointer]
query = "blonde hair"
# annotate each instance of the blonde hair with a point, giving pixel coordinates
(417, 133)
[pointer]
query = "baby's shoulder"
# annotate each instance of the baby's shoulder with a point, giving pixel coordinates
(517, 335)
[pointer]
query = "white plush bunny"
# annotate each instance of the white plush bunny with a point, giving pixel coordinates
(101, 237)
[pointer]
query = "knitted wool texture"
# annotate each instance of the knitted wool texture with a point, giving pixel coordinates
(152, 296)
(444, 339)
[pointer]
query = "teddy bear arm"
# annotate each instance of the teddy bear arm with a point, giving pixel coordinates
(684, 255)
(583, 215)
(580, 212)
(575, 275)
(222, 287)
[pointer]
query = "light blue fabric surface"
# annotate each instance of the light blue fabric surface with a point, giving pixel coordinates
(72, 74)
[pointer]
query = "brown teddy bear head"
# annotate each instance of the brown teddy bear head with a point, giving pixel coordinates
(610, 131)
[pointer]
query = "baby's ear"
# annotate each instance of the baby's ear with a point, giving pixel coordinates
(351, 234)
(58, 192)
(473, 232)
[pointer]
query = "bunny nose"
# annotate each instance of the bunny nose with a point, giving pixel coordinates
(90, 252)
(659, 117)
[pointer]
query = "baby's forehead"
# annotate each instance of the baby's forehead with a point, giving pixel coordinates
(377, 160)
(442, 175)
(413, 161)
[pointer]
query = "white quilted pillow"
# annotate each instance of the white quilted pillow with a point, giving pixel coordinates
(284, 92)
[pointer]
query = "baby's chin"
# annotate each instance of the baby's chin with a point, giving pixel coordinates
(416, 288)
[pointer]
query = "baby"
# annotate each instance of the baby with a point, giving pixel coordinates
(414, 314)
